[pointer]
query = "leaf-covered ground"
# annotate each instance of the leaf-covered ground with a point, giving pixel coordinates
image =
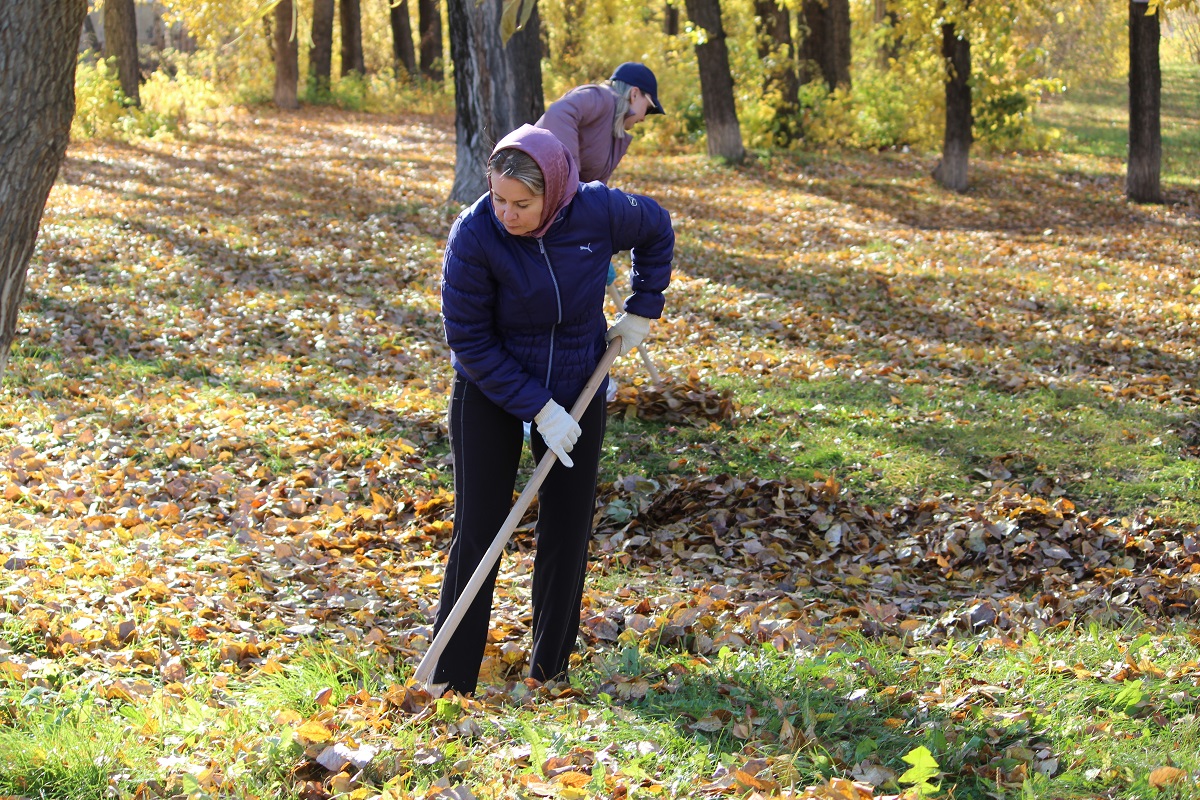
(221, 443)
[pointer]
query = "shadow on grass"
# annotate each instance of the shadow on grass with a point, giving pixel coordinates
(849, 713)
(1025, 334)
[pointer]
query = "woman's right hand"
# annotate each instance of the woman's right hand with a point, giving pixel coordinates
(631, 328)
(559, 430)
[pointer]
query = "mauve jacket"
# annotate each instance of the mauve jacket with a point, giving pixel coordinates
(524, 315)
(583, 120)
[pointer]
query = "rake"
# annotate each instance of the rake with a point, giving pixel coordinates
(641, 348)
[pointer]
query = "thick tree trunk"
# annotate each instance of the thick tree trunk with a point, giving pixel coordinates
(352, 49)
(1144, 170)
(496, 87)
(403, 52)
(38, 45)
(781, 81)
(429, 20)
(120, 43)
(951, 171)
(827, 43)
(716, 83)
(320, 54)
(287, 57)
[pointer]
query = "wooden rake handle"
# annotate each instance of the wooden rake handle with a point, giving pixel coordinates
(425, 669)
(650, 368)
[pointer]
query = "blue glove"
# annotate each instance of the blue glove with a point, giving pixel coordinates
(612, 274)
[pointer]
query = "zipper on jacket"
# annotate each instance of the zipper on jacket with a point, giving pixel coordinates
(558, 300)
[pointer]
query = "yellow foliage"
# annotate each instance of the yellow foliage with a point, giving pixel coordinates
(184, 96)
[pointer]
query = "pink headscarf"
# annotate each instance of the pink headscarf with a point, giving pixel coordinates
(559, 170)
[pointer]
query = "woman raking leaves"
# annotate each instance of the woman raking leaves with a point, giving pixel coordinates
(523, 286)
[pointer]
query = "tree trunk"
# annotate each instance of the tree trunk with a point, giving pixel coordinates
(158, 29)
(781, 82)
(286, 53)
(889, 47)
(496, 88)
(951, 171)
(716, 83)
(89, 41)
(839, 21)
(352, 49)
(827, 43)
(39, 42)
(671, 19)
(120, 43)
(429, 20)
(524, 54)
(320, 54)
(1143, 172)
(571, 50)
(403, 53)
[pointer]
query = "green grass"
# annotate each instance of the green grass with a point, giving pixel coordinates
(1045, 710)
(887, 443)
(64, 746)
(1073, 713)
(233, 433)
(313, 671)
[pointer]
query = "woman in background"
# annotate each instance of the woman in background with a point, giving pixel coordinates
(594, 122)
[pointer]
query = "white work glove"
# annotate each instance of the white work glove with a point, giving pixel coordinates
(558, 429)
(631, 328)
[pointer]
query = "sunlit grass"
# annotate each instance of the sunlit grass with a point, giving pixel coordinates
(1044, 716)
(1096, 119)
(886, 443)
(63, 745)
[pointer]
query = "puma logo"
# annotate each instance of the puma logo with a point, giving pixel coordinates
(587, 247)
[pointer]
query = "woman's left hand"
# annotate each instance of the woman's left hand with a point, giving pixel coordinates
(559, 430)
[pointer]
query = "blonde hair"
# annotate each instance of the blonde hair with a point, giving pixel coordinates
(622, 89)
(520, 166)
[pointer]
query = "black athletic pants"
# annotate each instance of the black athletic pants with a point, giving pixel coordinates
(487, 443)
